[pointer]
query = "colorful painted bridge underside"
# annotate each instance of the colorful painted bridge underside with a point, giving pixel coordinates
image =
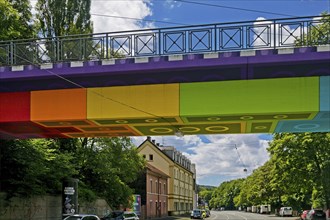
(296, 104)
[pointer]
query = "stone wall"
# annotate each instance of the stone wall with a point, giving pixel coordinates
(45, 208)
(35, 208)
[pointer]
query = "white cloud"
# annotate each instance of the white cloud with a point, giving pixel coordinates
(286, 34)
(216, 157)
(131, 9)
(170, 4)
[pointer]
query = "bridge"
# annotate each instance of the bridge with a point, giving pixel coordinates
(248, 77)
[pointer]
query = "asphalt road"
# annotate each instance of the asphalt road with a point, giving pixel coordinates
(236, 215)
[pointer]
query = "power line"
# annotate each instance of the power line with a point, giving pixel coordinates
(177, 131)
(234, 8)
(138, 19)
(240, 159)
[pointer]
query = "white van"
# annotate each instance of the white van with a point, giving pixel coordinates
(285, 211)
(254, 209)
(265, 209)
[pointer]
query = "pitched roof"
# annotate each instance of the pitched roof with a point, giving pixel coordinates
(163, 153)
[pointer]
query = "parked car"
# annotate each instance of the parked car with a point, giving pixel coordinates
(196, 214)
(113, 215)
(285, 211)
(316, 214)
(303, 215)
(82, 217)
(121, 215)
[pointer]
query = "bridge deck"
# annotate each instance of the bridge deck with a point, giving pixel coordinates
(221, 78)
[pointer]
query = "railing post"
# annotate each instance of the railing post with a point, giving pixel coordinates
(11, 53)
(274, 23)
(215, 38)
(159, 43)
(57, 42)
(107, 46)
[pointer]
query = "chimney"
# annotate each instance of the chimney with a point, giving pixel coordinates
(149, 138)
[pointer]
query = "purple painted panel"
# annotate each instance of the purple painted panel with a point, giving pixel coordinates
(191, 68)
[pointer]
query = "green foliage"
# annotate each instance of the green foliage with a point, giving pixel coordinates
(63, 17)
(104, 166)
(303, 157)
(15, 20)
(15, 23)
(58, 18)
(297, 175)
(318, 33)
(205, 194)
(226, 193)
(32, 167)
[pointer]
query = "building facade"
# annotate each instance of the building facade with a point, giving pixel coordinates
(151, 185)
(181, 182)
(157, 195)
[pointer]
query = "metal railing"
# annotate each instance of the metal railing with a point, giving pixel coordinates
(247, 35)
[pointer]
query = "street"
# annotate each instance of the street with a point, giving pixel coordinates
(236, 215)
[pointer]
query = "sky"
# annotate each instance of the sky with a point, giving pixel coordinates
(218, 158)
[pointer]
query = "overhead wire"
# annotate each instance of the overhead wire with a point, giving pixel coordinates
(233, 8)
(177, 131)
(188, 2)
(138, 19)
(240, 159)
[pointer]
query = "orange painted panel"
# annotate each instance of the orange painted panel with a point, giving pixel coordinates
(65, 104)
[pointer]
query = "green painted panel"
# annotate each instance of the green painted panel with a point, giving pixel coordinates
(245, 97)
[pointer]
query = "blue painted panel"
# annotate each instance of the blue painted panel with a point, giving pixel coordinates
(315, 125)
(325, 94)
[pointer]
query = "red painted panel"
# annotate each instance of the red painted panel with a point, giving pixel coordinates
(14, 106)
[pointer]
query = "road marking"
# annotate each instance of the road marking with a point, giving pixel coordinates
(242, 217)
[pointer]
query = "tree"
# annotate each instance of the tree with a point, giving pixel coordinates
(226, 193)
(32, 167)
(318, 33)
(16, 20)
(302, 166)
(64, 17)
(205, 194)
(59, 18)
(106, 168)
(16, 23)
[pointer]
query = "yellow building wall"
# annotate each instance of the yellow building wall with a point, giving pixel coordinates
(158, 161)
(180, 178)
(182, 193)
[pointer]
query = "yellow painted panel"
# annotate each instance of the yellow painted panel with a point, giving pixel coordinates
(143, 101)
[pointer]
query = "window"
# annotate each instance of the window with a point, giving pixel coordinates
(160, 188)
(151, 157)
(156, 183)
(151, 186)
(165, 188)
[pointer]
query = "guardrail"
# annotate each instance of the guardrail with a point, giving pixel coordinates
(247, 35)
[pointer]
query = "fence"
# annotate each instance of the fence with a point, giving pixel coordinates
(247, 35)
